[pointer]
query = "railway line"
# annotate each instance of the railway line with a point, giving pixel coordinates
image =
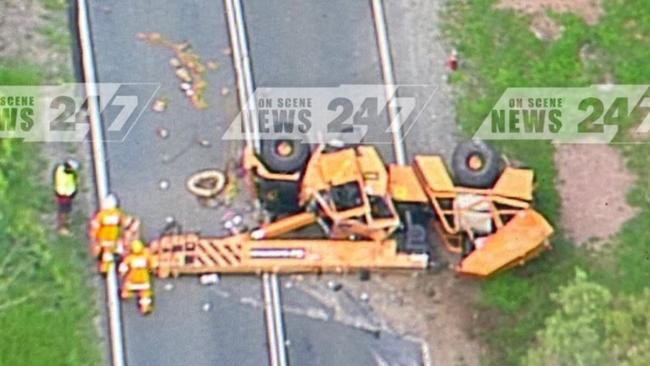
(133, 169)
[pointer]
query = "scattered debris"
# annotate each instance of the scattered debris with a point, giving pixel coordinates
(334, 286)
(206, 307)
(174, 62)
(189, 68)
(160, 105)
(205, 143)
(164, 184)
(168, 286)
(183, 74)
(235, 225)
(209, 279)
(206, 183)
(232, 188)
(212, 65)
(162, 133)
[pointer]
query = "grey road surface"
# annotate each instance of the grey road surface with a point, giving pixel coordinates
(296, 43)
(179, 332)
(222, 324)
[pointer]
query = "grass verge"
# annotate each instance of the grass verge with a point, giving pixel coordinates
(46, 300)
(499, 51)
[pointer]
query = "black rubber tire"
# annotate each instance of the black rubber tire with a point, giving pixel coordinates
(475, 178)
(278, 163)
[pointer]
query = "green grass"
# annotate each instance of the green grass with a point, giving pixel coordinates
(499, 51)
(57, 35)
(46, 300)
(56, 5)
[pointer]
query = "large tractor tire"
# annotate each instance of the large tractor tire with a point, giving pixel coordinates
(476, 164)
(284, 155)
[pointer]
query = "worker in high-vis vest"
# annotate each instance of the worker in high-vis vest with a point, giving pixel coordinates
(66, 184)
(136, 268)
(106, 233)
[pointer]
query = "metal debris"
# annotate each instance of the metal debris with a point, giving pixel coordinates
(234, 225)
(164, 184)
(205, 143)
(334, 286)
(174, 62)
(160, 105)
(188, 66)
(212, 65)
(209, 279)
(162, 132)
(183, 74)
(364, 297)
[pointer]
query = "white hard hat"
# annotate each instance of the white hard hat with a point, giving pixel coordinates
(111, 201)
(73, 164)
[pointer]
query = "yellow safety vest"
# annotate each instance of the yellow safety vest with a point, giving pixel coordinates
(65, 184)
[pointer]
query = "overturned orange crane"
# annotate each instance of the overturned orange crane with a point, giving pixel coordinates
(364, 211)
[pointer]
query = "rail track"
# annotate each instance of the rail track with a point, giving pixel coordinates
(236, 20)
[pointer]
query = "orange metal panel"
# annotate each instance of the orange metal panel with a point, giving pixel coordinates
(374, 172)
(434, 173)
(523, 236)
(404, 185)
(339, 167)
(515, 183)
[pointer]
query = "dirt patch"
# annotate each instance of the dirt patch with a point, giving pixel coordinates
(593, 186)
(542, 25)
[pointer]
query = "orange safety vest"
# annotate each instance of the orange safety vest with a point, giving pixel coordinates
(109, 222)
(139, 268)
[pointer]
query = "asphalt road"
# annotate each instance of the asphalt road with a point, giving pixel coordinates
(179, 332)
(223, 324)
